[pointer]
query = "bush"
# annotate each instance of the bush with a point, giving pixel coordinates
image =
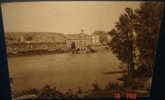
(112, 86)
(96, 87)
(49, 93)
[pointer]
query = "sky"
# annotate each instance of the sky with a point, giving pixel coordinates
(63, 17)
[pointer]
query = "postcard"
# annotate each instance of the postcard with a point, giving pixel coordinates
(81, 49)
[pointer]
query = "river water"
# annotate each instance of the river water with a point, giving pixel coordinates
(62, 70)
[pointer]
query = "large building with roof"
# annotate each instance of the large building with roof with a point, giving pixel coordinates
(81, 40)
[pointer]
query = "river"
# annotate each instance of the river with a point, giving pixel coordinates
(62, 70)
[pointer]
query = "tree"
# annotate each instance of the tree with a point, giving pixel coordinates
(123, 39)
(138, 30)
(102, 36)
(149, 17)
(28, 37)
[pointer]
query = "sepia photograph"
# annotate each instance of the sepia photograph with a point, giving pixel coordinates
(81, 49)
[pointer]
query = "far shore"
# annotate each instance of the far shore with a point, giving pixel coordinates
(43, 52)
(29, 53)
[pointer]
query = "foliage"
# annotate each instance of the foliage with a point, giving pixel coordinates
(49, 92)
(115, 87)
(96, 87)
(122, 38)
(149, 19)
(135, 36)
(102, 36)
(28, 37)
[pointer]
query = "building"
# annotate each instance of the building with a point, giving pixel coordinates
(81, 40)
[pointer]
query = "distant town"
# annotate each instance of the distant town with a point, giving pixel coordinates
(42, 42)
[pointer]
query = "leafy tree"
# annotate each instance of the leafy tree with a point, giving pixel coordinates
(138, 31)
(28, 37)
(102, 36)
(123, 39)
(149, 19)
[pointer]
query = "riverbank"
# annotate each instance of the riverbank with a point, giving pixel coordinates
(30, 52)
(37, 52)
(109, 91)
(47, 52)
